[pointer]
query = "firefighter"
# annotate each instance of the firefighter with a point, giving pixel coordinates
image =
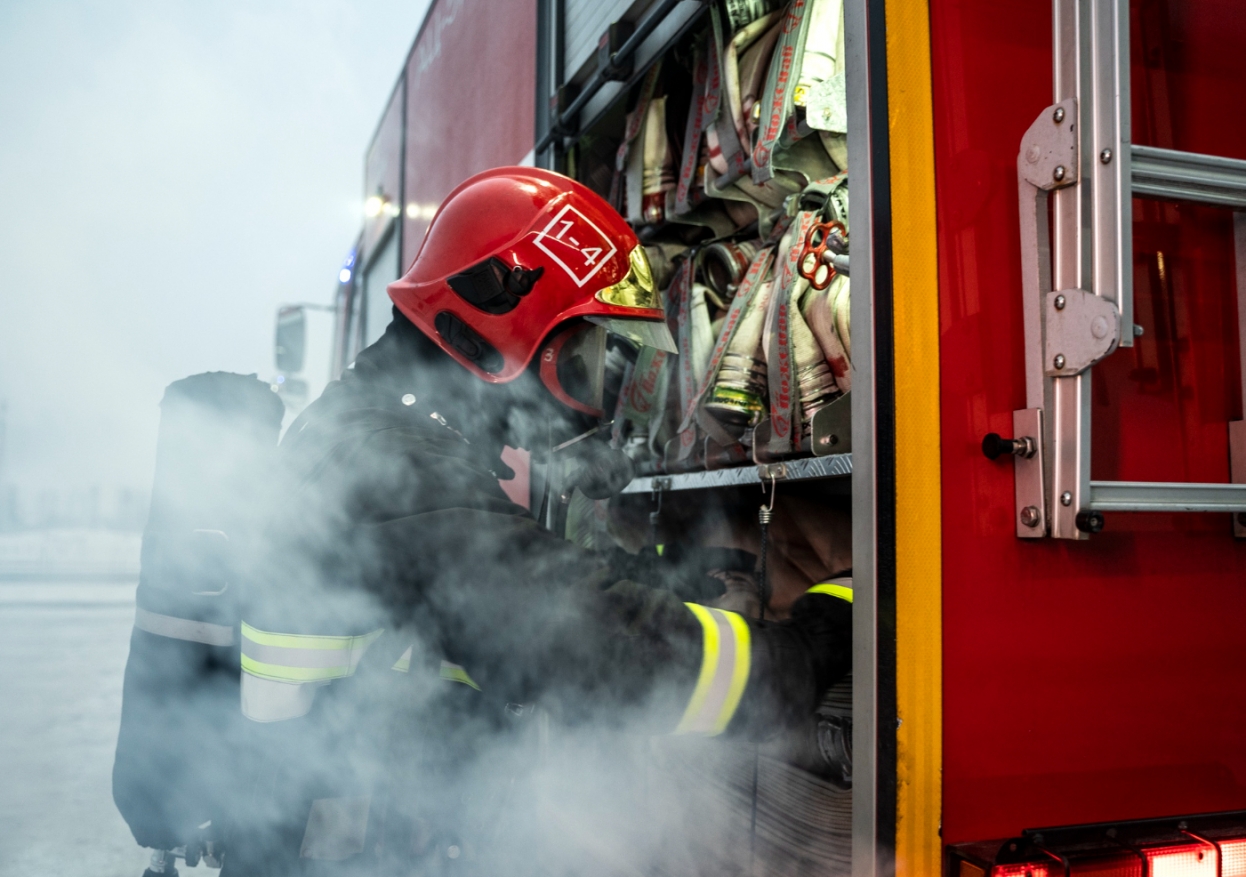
(398, 579)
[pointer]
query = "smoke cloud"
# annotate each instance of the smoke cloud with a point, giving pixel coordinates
(173, 172)
(169, 174)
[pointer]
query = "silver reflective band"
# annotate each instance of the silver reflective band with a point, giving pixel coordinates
(336, 828)
(286, 657)
(183, 628)
(267, 700)
(403, 664)
(725, 659)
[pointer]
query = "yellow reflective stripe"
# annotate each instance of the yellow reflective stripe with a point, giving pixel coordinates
(306, 641)
(840, 591)
(455, 673)
(709, 663)
(281, 673)
(725, 662)
(449, 672)
(300, 657)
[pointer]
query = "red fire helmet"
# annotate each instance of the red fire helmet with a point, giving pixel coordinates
(513, 254)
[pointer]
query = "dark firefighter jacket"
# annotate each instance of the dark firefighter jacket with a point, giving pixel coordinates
(394, 561)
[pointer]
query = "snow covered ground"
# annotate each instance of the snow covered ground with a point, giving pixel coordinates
(69, 554)
(64, 650)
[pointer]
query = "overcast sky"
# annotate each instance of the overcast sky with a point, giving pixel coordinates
(170, 172)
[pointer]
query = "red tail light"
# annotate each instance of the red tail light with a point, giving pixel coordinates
(1212, 845)
(1188, 860)
(1113, 866)
(1233, 858)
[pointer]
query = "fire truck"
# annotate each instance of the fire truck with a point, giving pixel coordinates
(1039, 432)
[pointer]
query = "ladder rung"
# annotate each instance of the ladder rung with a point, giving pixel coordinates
(1166, 496)
(1188, 176)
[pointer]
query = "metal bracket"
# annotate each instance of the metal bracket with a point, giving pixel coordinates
(610, 65)
(1081, 329)
(1048, 156)
(771, 471)
(1031, 508)
(832, 427)
(1047, 160)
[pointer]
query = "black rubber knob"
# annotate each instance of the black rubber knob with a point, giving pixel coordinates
(1089, 522)
(994, 446)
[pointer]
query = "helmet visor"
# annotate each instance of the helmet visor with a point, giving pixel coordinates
(649, 333)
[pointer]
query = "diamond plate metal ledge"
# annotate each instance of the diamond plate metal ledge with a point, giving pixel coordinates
(806, 469)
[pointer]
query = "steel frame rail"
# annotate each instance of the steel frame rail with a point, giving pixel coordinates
(1078, 283)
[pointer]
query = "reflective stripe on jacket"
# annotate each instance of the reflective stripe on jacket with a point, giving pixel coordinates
(281, 671)
(183, 628)
(841, 588)
(288, 657)
(725, 660)
(449, 671)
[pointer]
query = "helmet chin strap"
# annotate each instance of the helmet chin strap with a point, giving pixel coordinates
(601, 427)
(535, 418)
(549, 356)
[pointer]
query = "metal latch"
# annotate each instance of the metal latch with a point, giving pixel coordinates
(1082, 328)
(771, 471)
(1048, 157)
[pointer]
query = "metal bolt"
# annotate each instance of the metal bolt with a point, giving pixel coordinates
(1030, 516)
(408, 399)
(1060, 302)
(1058, 115)
(453, 851)
(1058, 362)
(1106, 156)
(1066, 498)
(1138, 330)
(1058, 173)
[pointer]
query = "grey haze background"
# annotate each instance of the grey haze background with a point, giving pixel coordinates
(170, 172)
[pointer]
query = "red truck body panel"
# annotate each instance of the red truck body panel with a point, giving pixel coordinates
(471, 86)
(1099, 680)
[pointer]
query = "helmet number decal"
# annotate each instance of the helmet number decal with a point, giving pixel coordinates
(576, 244)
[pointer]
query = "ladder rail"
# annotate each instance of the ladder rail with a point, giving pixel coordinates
(1078, 284)
(1189, 176)
(1166, 496)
